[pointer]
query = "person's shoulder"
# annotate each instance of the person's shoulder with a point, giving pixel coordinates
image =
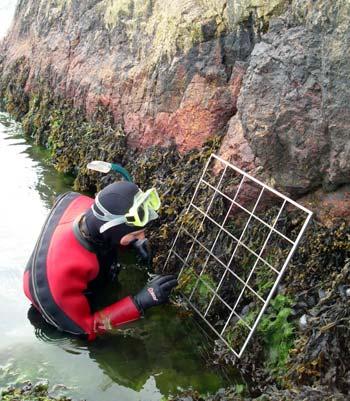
(72, 195)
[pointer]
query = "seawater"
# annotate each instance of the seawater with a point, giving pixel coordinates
(7, 9)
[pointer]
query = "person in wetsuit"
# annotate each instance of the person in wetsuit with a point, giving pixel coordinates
(78, 246)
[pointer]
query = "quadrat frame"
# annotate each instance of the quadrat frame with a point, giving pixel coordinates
(246, 197)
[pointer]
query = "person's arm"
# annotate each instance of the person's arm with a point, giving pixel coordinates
(156, 292)
(121, 312)
(128, 309)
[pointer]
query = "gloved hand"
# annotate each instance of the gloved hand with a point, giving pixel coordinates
(156, 292)
(144, 250)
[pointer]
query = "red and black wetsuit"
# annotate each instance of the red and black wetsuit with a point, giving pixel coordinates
(62, 265)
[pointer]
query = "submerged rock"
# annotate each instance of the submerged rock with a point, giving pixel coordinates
(29, 392)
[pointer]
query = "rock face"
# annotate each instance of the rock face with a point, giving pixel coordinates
(270, 77)
(294, 105)
(166, 70)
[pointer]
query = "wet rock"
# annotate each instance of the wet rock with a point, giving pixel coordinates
(321, 293)
(27, 392)
(27, 387)
(344, 290)
(303, 322)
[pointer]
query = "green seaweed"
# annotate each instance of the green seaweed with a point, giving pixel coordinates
(278, 333)
(201, 287)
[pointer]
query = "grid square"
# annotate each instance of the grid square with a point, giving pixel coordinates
(255, 235)
(208, 231)
(192, 221)
(262, 279)
(224, 247)
(203, 196)
(182, 244)
(218, 208)
(236, 222)
(197, 258)
(248, 307)
(276, 251)
(215, 271)
(202, 294)
(230, 182)
(234, 244)
(243, 262)
(230, 288)
(268, 207)
(248, 194)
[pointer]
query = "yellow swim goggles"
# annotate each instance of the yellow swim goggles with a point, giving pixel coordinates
(141, 212)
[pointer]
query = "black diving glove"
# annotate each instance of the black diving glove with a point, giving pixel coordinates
(156, 292)
(144, 250)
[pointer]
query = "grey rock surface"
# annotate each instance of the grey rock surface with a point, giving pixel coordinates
(295, 101)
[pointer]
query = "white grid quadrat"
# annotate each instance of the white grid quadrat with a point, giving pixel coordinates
(232, 261)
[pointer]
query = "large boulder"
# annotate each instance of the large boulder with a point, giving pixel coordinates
(294, 105)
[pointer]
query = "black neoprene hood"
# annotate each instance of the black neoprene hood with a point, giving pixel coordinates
(117, 198)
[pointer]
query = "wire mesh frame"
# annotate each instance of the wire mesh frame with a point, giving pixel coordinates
(221, 228)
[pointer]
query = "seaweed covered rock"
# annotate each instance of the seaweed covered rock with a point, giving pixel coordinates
(322, 353)
(316, 286)
(272, 394)
(30, 392)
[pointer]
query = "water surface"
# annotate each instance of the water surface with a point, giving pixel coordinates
(145, 361)
(7, 9)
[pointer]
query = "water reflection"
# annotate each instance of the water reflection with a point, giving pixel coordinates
(48, 183)
(132, 356)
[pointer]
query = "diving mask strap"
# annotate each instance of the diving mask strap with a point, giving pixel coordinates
(113, 220)
(122, 219)
(107, 216)
(112, 223)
